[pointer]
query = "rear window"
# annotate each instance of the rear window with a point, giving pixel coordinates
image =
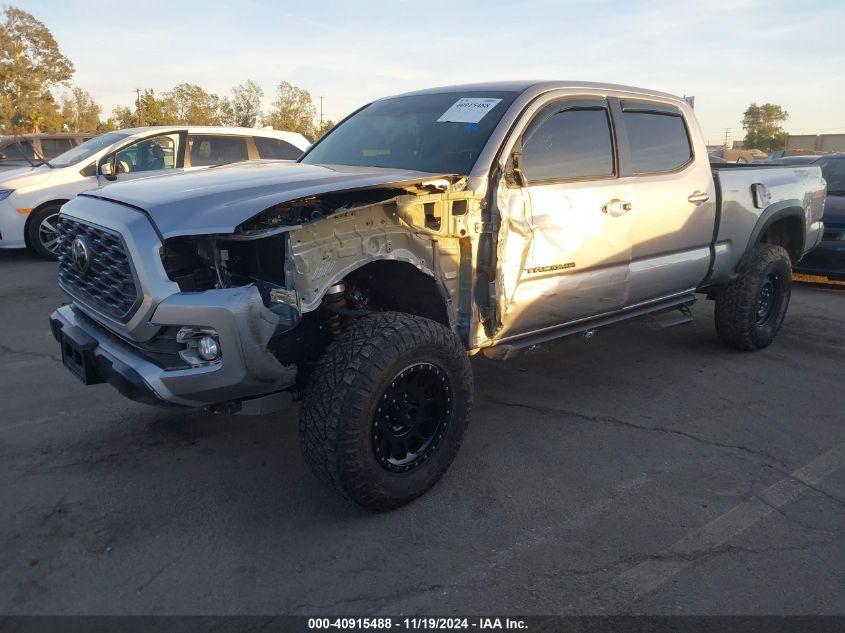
(20, 150)
(275, 148)
(659, 142)
(52, 147)
(216, 150)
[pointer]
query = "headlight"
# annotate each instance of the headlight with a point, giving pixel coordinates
(5, 193)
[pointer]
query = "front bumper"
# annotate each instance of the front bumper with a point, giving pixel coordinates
(246, 370)
(12, 226)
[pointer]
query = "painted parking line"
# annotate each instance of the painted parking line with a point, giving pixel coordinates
(816, 279)
(659, 568)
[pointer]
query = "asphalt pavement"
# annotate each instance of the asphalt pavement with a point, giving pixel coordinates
(642, 471)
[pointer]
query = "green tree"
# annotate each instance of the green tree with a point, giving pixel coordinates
(80, 112)
(762, 126)
(190, 104)
(122, 117)
(155, 111)
(246, 104)
(31, 65)
(293, 110)
(325, 127)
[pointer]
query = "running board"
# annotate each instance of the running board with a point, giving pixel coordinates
(681, 302)
(684, 316)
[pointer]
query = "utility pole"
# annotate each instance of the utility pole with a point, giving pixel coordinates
(140, 108)
(727, 135)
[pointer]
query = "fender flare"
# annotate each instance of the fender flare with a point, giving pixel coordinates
(773, 213)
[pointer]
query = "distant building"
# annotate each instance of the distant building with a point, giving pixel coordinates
(816, 142)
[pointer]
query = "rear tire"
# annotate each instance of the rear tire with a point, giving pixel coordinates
(751, 309)
(386, 408)
(41, 231)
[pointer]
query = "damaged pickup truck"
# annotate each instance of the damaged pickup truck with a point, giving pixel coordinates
(421, 229)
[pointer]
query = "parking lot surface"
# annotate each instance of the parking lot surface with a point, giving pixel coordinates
(639, 472)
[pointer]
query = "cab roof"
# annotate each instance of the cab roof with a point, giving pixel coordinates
(538, 86)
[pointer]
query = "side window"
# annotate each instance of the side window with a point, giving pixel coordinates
(18, 151)
(52, 147)
(833, 171)
(206, 149)
(571, 143)
(150, 154)
(659, 141)
(275, 148)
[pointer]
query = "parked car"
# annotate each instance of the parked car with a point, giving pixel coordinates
(30, 198)
(828, 258)
(739, 155)
(800, 159)
(480, 218)
(30, 150)
(789, 153)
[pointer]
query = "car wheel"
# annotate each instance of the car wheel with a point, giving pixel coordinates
(43, 233)
(751, 309)
(386, 408)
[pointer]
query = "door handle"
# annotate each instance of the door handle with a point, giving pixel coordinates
(616, 207)
(699, 197)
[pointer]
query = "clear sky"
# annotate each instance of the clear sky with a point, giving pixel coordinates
(727, 54)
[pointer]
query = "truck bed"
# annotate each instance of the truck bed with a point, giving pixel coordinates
(779, 189)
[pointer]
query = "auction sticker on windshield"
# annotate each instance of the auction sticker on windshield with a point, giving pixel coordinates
(468, 110)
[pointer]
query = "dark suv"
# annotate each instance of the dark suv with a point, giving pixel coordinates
(828, 258)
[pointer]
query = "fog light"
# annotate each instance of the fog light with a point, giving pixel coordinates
(199, 346)
(208, 348)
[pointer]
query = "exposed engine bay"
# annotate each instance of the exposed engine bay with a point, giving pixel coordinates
(322, 261)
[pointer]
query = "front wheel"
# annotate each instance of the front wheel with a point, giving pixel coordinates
(386, 408)
(43, 231)
(751, 309)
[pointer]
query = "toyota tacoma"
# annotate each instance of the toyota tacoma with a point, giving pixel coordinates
(422, 229)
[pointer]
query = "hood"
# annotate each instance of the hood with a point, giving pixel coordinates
(218, 199)
(23, 177)
(834, 209)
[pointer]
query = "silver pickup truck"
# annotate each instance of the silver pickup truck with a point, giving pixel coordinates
(423, 228)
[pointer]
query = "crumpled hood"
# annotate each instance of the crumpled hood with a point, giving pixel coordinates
(218, 199)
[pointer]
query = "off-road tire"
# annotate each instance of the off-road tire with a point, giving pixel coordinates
(33, 236)
(738, 323)
(342, 397)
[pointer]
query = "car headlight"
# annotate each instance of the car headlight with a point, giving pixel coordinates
(5, 193)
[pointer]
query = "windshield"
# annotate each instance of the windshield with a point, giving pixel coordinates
(833, 170)
(86, 149)
(438, 133)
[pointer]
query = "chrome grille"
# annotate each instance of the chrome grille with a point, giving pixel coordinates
(94, 268)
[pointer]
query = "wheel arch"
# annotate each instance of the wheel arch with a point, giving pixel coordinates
(34, 211)
(783, 224)
(400, 286)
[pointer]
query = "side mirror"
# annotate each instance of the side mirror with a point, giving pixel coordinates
(107, 170)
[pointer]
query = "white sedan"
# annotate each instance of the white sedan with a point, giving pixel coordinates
(31, 197)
